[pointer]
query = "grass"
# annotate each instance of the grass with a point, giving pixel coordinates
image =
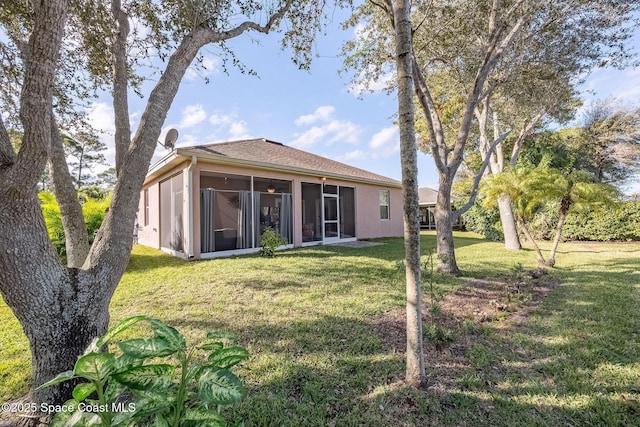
(307, 318)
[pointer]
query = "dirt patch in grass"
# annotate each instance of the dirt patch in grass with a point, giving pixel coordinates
(452, 325)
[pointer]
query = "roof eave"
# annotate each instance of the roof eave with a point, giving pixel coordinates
(188, 153)
(158, 168)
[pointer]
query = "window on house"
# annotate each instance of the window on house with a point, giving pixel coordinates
(384, 204)
(146, 207)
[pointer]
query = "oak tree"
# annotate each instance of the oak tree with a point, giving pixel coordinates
(63, 307)
(475, 42)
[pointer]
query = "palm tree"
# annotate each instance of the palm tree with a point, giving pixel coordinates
(531, 188)
(579, 191)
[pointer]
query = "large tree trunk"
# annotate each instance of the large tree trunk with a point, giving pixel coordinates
(60, 309)
(30, 272)
(60, 334)
(508, 221)
(496, 166)
(444, 228)
(415, 368)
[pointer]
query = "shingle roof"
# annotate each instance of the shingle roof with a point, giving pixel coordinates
(428, 196)
(265, 153)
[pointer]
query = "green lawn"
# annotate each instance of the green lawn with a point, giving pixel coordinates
(307, 317)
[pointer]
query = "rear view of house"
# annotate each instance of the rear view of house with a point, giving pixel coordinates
(215, 200)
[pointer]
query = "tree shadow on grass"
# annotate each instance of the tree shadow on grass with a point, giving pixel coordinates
(308, 372)
(574, 362)
(335, 370)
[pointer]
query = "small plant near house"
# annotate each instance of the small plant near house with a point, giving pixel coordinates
(131, 388)
(270, 241)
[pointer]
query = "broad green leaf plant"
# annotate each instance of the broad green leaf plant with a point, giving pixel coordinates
(129, 387)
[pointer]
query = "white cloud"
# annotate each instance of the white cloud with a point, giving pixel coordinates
(220, 119)
(230, 125)
(343, 131)
(385, 143)
(192, 115)
(239, 130)
(327, 129)
(323, 113)
(208, 67)
(309, 137)
(101, 116)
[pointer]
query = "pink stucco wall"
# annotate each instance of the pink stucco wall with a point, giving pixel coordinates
(367, 209)
(149, 235)
(368, 222)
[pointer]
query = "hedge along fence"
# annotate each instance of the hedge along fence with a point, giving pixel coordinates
(618, 223)
(483, 220)
(93, 210)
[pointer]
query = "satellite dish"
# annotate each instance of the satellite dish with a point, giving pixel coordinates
(170, 139)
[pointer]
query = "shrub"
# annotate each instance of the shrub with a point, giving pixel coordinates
(439, 336)
(53, 220)
(131, 388)
(270, 241)
(93, 210)
(620, 223)
(484, 221)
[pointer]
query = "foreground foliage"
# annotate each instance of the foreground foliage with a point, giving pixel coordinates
(309, 319)
(130, 388)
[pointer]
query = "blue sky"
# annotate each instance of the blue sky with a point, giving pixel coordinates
(314, 110)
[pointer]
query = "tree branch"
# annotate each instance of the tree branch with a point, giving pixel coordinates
(517, 146)
(37, 94)
(493, 16)
(250, 25)
(437, 142)
(75, 230)
(116, 234)
(386, 7)
(499, 151)
(492, 54)
(476, 182)
(120, 77)
(482, 115)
